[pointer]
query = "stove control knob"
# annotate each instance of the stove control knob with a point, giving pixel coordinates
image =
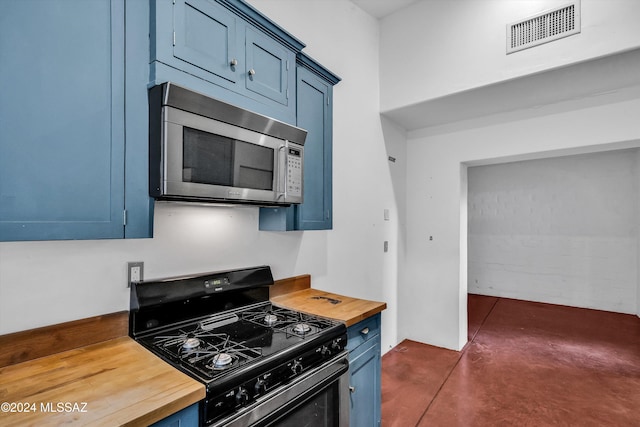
(296, 367)
(261, 386)
(242, 396)
(335, 345)
(324, 351)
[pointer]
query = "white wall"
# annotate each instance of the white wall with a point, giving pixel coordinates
(433, 49)
(343, 38)
(439, 47)
(638, 225)
(560, 230)
(43, 283)
(433, 290)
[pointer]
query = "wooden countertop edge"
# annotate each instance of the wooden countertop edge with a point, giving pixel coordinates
(192, 393)
(31, 344)
(296, 293)
(289, 285)
(366, 315)
(81, 338)
(167, 409)
(122, 383)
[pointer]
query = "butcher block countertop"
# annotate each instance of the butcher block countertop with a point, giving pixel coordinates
(115, 382)
(296, 293)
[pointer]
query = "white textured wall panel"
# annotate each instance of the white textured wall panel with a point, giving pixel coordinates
(560, 230)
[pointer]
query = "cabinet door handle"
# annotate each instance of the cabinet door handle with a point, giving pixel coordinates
(233, 62)
(252, 72)
(365, 331)
(352, 389)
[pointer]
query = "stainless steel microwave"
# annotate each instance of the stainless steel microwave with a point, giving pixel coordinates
(203, 149)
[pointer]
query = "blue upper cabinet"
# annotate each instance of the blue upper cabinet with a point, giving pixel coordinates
(270, 67)
(62, 121)
(205, 38)
(314, 114)
(228, 50)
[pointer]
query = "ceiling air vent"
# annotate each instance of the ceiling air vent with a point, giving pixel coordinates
(544, 27)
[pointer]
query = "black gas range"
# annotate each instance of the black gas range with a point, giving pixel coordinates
(261, 364)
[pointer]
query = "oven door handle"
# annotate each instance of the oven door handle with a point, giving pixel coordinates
(273, 406)
(341, 374)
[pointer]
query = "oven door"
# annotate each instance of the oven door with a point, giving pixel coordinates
(208, 159)
(319, 398)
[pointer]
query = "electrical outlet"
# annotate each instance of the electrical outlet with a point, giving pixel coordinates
(135, 272)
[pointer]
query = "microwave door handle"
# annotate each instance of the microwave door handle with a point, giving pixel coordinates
(282, 173)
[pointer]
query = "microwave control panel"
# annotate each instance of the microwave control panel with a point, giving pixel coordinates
(294, 172)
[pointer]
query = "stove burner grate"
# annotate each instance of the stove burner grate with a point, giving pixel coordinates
(301, 328)
(221, 344)
(191, 343)
(221, 361)
(291, 322)
(270, 319)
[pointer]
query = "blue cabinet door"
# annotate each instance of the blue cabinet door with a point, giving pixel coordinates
(365, 387)
(62, 120)
(225, 49)
(364, 345)
(314, 115)
(267, 66)
(314, 89)
(205, 37)
(139, 206)
(188, 417)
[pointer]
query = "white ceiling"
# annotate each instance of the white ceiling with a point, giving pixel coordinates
(381, 8)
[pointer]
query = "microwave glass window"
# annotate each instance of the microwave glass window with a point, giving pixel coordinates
(214, 159)
(253, 166)
(207, 158)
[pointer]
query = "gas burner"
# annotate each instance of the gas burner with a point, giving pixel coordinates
(301, 328)
(191, 343)
(221, 361)
(270, 319)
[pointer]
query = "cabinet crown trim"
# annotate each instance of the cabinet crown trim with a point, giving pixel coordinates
(249, 13)
(304, 60)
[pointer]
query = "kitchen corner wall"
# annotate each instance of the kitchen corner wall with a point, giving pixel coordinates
(43, 283)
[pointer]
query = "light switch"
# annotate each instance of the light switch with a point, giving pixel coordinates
(386, 214)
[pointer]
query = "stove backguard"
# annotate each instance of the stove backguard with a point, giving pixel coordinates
(159, 303)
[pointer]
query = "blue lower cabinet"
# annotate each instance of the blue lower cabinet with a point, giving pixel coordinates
(188, 417)
(365, 387)
(365, 373)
